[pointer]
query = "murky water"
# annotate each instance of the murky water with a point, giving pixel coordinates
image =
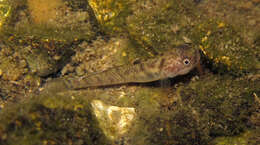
(93, 72)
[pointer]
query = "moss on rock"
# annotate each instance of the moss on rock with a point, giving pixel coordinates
(250, 137)
(225, 103)
(36, 122)
(112, 14)
(53, 20)
(198, 114)
(223, 45)
(5, 9)
(161, 24)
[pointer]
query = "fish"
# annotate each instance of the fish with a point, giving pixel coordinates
(177, 61)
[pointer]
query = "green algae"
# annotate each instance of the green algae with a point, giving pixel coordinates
(37, 122)
(43, 63)
(159, 25)
(175, 128)
(229, 37)
(225, 47)
(200, 113)
(131, 53)
(40, 63)
(23, 62)
(112, 14)
(4, 12)
(26, 20)
(250, 137)
(12, 70)
(192, 113)
(225, 103)
(242, 15)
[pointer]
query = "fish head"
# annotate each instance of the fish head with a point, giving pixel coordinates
(180, 61)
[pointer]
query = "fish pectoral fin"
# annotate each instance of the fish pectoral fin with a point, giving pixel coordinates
(165, 82)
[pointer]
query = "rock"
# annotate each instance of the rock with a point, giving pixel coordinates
(250, 137)
(5, 9)
(114, 121)
(40, 62)
(52, 19)
(42, 118)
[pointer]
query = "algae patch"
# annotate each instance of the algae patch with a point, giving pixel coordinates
(33, 122)
(225, 47)
(59, 20)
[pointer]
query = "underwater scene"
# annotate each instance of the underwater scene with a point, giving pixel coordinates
(129, 72)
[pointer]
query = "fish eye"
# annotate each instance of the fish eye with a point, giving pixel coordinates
(186, 61)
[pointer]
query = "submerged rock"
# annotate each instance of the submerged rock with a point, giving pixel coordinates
(37, 40)
(42, 63)
(188, 113)
(250, 137)
(198, 112)
(113, 120)
(156, 25)
(226, 49)
(22, 64)
(112, 14)
(51, 19)
(15, 77)
(5, 9)
(35, 122)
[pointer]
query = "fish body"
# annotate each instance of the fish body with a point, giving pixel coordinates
(179, 61)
